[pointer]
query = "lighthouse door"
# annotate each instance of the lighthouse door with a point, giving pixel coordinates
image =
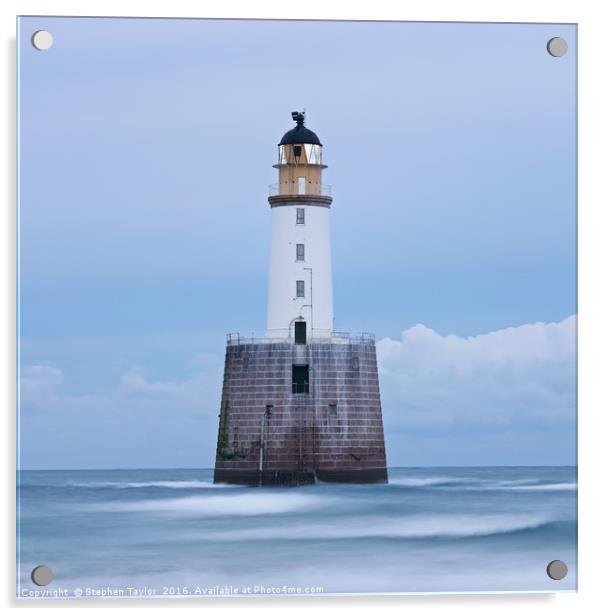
(300, 379)
(300, 332)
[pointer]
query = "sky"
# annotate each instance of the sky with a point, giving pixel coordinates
(145, 152)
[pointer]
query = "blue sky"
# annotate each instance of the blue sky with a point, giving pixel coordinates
(146, 152)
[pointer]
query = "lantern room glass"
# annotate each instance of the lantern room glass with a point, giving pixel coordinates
(313, 154)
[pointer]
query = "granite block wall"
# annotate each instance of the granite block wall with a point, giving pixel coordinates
(269, 435)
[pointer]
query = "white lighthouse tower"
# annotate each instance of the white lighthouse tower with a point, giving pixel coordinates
(300, 273)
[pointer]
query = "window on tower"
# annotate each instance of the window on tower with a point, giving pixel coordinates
(300, 288)
(300, 252)
(300, 215)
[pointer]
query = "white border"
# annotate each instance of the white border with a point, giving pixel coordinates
(584, 12)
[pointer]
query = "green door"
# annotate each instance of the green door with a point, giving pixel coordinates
(300, 332)
(300, 379)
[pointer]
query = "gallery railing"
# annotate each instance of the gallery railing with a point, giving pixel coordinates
(295, 189)
(286, 337)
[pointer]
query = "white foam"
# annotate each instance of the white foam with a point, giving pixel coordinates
(516, 482)
(545, 486)
(250, 504)
(171, 484)
(479, 483)
(420, 482)
(407, 527)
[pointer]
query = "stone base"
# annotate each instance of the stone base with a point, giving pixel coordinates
(299, 478)
(267, 478)
(271, 435)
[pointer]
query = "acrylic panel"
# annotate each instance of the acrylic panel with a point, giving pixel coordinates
(296, 307)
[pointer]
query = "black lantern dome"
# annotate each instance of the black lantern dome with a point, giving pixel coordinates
(299, 134)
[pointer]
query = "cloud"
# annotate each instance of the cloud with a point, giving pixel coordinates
(139, 422)
(38, 383)
(519, 377)
(135, 383)
(207, 369)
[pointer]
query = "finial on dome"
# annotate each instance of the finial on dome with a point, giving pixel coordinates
(299, 117)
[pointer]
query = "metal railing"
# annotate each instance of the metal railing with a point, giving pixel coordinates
(284, 337)
(292, 189)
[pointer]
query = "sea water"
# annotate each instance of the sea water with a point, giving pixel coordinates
(174, 532)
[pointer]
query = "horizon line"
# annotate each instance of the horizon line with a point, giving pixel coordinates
(185, 468)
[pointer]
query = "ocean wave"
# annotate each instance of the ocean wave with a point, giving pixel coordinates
(516, 482)
(407, 527)
(424, 482)
(473, 483)
(171, 484)
(545, 486)
(257, 503)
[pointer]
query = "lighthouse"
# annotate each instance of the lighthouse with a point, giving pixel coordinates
(302, 403)
(300, 275)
